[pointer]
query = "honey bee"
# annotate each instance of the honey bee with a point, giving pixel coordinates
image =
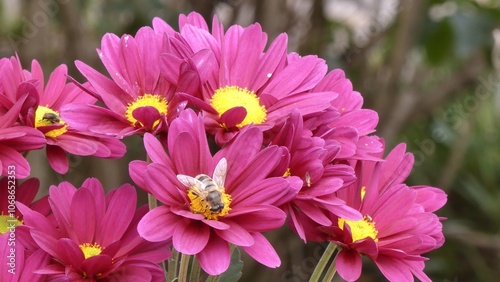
(208, 188)
(52, 118)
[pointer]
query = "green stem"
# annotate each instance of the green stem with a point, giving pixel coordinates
(194, 276)
(323, 261)
(331, 270)
(213, 278)
(172, 266)
(183, 268)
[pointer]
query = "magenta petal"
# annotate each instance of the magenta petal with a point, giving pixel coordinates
(235, 234)
(36, 261)
(158, 224)
(97, 264)
(147, 116)
(76, 144)
(233, 116)
(155, 150)
(214, 259)
(57, 159)
(10, 157)
(263, 252)
(69, 253)
(137, 170)
(349, 265)
(83, 215)
(190, 237)
(119, 214)
(394, 269)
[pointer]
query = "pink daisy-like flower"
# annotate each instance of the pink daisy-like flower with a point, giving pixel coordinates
(204, 224)
(345, 121)
(93, 236)
(138, 98)
(14, 140)
(309, 159)
(41, 110)
(19, 255)
(240, 83)
(398, 224)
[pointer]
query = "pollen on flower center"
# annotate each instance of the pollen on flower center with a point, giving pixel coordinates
(202, 206)
(147, 100)
(45, 116)
(90, 250)
(360, 229)
(7, 223)
(229, 97)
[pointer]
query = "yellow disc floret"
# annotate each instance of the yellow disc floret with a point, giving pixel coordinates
(147, 100)
(8, 223)
(360, 229)
(45, 116)
(90, 250)
(229, 97)
(201, 206)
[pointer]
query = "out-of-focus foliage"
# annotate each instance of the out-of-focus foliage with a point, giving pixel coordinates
(430, 68)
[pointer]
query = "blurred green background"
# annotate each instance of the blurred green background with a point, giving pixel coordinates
(430, 68)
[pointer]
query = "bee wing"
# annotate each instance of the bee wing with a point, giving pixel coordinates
(220, 172)
(192, 183)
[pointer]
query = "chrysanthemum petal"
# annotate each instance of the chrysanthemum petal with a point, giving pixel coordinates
(214, 259)
(262, 251)
(158, 224)
(190, 237)
(121, 209)
(57, 159)
(268, 218)
(349, 265)
(9, 157)
(235, 234)
(69, 253)
(83, 215)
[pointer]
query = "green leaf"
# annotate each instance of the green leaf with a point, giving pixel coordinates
(233, 273)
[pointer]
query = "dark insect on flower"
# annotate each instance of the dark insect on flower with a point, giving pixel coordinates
(52, 118)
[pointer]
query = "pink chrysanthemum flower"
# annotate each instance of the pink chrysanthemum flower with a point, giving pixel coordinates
(240, 83)
(345, 121)
(19, 255)
(243, 207)
(14, 140)
(398, 224)
(137, 98)
(41, 110)
(94, 237)
(309, 159)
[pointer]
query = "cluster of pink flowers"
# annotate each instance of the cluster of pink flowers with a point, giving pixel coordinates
(239, 140)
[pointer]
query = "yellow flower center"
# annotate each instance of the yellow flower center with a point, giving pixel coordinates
(203, 206)
(287, 173)
(229, 97)
(45, 116)
(360, 229)
(8, 223)
(147, 100)
(90, 250)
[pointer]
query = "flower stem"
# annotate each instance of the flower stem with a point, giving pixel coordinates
(323, 261)
(194, 275)
(331, 270)
(213, 278)
(183, 268)
(172, 266)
